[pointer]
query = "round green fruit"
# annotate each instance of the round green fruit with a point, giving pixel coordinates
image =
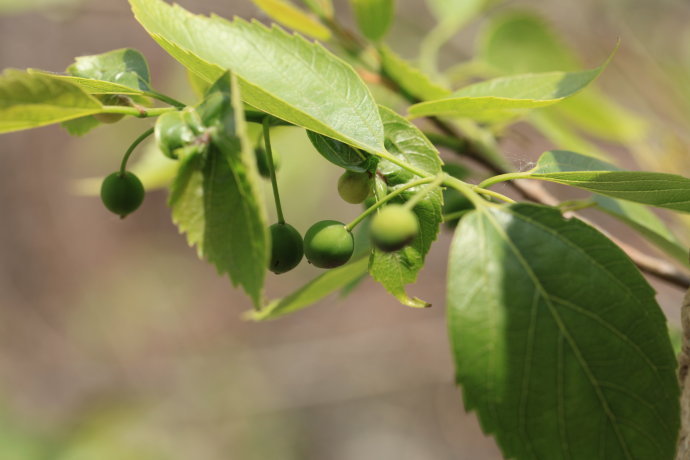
(262, 161)
(394, 228)
(354, 187)
(122, 194)
(287, 248)
(328, 244)
(174, 131)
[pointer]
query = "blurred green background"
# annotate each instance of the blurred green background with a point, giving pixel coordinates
(116, 342)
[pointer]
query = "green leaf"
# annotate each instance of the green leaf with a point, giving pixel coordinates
(506, 97)
(124, 71)
(395, 270)
(216, 202)
(656, 189)
(317, 289)
(559, 343)
(290, 16)
(522, 42)
(281, 74)
(338, 153)
(647, 224)
(374, 17)
(412, 80)
(29, 101)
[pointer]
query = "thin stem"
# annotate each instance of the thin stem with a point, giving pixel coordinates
(412, 202)
(502, 178)
(493, 194)
(167, 99)
(272, 169)
(349, 227)
(139, 112)
(135, 144)
(455, 215)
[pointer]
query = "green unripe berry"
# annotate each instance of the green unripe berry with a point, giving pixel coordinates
(122, 194)
(354, 187)
(262, 161)
(287, 248)
(174, 130)
(393, 228)
(328, 244)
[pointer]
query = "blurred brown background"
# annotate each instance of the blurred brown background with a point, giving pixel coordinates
(116, 342)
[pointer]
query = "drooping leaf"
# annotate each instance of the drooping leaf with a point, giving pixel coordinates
(559, 343)
(216, 202)
(655, 189)
(338, 153)
(647, 224)
(506, 97)
(29, 101)
(317, 289)
(374, 17)
(281, 74)
(411, 80)
(395, 270)
(290, 16)
(520, 42)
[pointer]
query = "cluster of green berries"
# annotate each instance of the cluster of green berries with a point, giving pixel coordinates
(329, 243)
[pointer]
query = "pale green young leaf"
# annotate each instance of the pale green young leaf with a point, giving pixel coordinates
(216, 201)
(80, 126)
(325, 284)
(559, 344)
(644, 221)
(290, 16)
(455, 11)
(395, 270)
(374, 17)
(281, 74)
(506, 97)
(655, 189)
(411, 80)
(30, 101)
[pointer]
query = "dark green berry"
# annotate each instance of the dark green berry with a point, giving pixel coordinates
(122, 194)
(393, 228)
(354, 187)
(287, 248)
(175, 130)
(262, 161)
(328, 244)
